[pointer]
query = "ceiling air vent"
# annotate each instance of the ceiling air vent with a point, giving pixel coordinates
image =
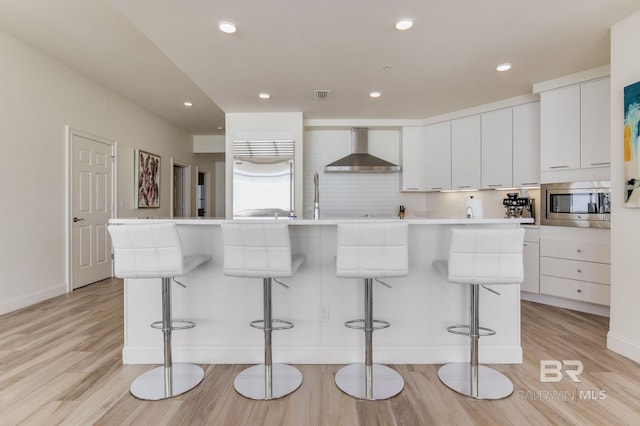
(321, 94)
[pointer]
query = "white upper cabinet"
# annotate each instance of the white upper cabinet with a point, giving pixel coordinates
(526, 144)
(575, 127)
(497, 148)
(560, 129)
(438, 169)
(595, 124)
(413, 159)
(465, 153)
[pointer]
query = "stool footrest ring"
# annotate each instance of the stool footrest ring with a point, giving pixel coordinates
(259, 324)
(358, 324)
(457, 329)
(177, 324)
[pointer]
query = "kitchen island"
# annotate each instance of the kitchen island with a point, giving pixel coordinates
(420, 306)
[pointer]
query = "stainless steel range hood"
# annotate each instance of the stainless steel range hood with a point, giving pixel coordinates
(360, 161)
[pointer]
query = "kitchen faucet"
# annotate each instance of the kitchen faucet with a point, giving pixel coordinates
(316, 197)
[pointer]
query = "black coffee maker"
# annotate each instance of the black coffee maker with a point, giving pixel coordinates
(518, 206)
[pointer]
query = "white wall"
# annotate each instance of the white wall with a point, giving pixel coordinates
(624, 333)
(39, 97)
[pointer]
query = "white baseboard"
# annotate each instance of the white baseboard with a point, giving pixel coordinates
(29, 299)
(559, 302)
(623, 346)
(322, 355)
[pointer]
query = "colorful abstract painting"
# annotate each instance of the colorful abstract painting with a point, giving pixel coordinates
(148, 183)
(631, 139)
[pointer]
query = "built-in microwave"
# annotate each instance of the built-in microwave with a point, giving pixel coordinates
(582, 204)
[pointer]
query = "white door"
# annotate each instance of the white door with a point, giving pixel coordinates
(91, 206)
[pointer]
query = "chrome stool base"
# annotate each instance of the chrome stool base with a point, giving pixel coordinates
(251, 383)
(151, 385)
(490, 384)
(386, 382)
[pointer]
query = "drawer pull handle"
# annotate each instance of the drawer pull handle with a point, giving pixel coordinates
(579, 251)
(579, 271)
(579, 291)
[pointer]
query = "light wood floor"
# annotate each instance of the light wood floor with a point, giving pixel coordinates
(60, 363)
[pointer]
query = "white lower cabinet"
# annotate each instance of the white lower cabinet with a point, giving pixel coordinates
(531, 254)
(581, 291)
(575, 263)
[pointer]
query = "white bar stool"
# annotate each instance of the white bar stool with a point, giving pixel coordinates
(154, 251)
(480, 257)
(371, 250)
(263, 250)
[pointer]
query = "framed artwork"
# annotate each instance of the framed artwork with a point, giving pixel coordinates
(147, 170)
(631, 136)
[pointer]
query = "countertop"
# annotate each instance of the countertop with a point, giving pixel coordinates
(332, 221)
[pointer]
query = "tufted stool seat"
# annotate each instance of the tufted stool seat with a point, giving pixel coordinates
(478, 257)
(371, 250)
(263, 250)
(155, 251)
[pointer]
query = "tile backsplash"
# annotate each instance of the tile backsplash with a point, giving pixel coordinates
(361, 194)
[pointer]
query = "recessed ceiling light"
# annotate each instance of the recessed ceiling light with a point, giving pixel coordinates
(264, 95)
(404, 24)
(375, 94)
(188, 104)
(227, 27)
(503, 67)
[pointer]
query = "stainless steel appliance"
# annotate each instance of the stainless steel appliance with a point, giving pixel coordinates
(581, 204)
(263, 178)
(360, 161)
(519, 206)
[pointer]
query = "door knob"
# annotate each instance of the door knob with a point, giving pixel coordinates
(75, 219)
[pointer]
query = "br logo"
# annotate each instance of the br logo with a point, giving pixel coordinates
(551, 370)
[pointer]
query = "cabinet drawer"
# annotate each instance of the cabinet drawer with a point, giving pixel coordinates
(586, 250)
(576, 290)
(576, 270)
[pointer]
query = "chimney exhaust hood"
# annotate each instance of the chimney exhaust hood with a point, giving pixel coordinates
(360, 161)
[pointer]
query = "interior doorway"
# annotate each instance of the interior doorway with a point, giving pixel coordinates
(203, 193)
(91, 205)
(180, 189)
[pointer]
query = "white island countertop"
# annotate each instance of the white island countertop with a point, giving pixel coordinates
(420, 306)
(333, 221)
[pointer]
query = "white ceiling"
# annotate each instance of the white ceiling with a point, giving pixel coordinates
(160, 53)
